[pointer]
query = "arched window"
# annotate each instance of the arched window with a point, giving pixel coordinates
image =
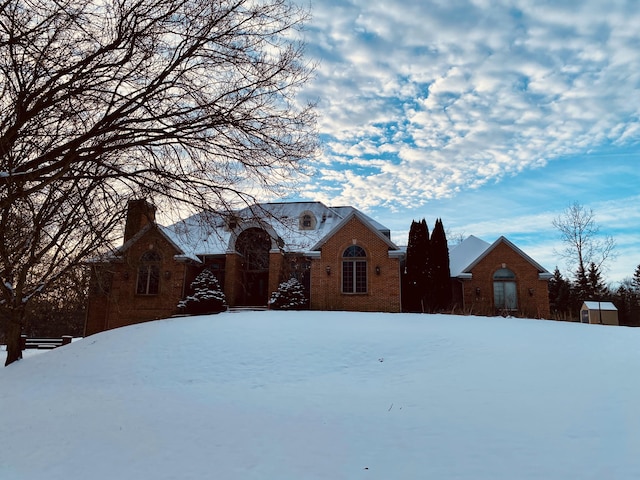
(354, 270)
(505, 293)
(149, 274)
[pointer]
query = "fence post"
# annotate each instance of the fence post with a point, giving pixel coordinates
(23, 342)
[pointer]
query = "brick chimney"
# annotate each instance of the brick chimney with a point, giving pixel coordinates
(139, 214)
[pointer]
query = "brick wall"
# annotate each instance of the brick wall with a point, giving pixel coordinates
(232, 286)
(276, 270)
(383, 290)
(122, 305)
(533, 297)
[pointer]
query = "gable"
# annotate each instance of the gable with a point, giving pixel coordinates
(473, 251)
(503, 242)
(150, 233)
(361, 219)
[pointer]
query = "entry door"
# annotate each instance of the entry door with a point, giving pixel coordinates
(255, 288)
(253, 245)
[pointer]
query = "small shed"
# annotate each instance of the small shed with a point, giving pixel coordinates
(604, 313)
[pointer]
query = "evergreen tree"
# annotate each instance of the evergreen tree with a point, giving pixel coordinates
(440, 274)
(582, 287)
(636, 279)
(416, 274)
(289, 296)
(596, 288)
(559, 296)
(627, 301)
(208, 297)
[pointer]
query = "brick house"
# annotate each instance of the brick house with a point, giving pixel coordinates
(345, 259)
(498, 278)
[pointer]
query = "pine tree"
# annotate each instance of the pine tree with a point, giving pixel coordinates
(289, 296)
(597, 289)
(440, 273)
(559, 295)
(581, 287)
(636, 279)
(208, 297)
(416, 275)
(627, 300)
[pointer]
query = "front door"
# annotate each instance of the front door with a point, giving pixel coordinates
(253, 245)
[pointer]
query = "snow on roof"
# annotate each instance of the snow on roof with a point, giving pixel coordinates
(465, 253)
(595, 305)
(465, 256)
(544, 274)
(210, 233)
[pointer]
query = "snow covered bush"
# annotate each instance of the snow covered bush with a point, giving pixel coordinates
(289, 296)
(207, 296)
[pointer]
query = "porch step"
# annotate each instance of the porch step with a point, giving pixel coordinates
(254, 308)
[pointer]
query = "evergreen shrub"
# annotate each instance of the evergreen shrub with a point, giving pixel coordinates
(207, 296)
(289, 296)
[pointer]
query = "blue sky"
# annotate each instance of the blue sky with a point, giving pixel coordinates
(493, 115)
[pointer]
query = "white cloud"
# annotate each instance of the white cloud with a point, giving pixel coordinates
(440, 97)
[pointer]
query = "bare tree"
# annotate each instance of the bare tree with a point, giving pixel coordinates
(583, 242)
(191, 103)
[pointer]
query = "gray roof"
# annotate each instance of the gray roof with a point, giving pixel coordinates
(210, 233)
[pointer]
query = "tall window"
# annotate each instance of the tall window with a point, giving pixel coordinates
(505, 294)
(354, 270)
(149, 274)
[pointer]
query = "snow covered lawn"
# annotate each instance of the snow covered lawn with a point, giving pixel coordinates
(328, 395)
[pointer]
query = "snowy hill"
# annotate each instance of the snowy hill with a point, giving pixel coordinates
(319, 395)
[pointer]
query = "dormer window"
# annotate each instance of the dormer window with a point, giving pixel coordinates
(307, 221)
(232, 222)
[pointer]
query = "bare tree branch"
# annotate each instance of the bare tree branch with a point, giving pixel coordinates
(186, 102)
(582, 239)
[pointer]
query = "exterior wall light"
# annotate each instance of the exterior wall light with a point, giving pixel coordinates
(377, 269)
(531, 292)
(328, 269)
(477, 291)
(167, 274)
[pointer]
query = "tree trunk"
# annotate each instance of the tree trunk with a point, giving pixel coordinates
(12, 336)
